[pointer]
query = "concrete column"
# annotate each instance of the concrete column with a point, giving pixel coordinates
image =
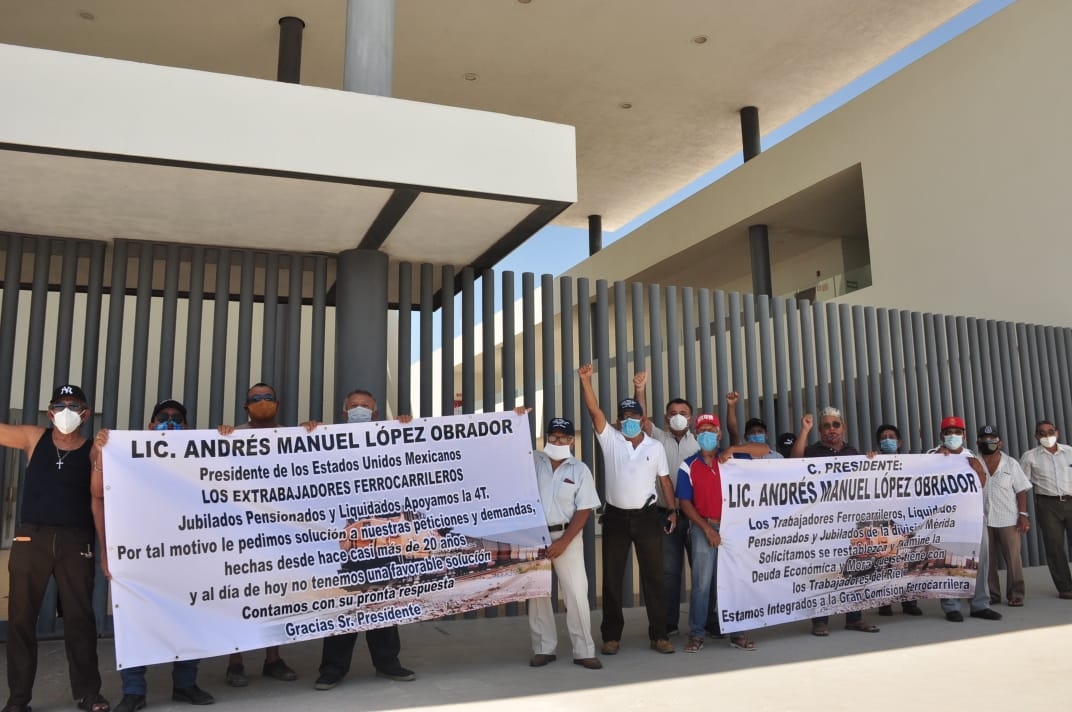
(750, 132)
(595, 234)
(361, 325)
(759, 249)
(290, 46)
(370, 44)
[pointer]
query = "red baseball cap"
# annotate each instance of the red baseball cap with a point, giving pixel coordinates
(953, 421)
(707, 419)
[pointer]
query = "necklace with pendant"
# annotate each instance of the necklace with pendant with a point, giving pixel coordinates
(60, 458)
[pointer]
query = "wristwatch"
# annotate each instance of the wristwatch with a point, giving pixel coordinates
(1025, 514)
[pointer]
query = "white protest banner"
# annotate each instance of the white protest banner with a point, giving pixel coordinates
(224, 543)
(813, 537)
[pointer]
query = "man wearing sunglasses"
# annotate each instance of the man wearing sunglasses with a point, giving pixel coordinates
(261, 407)
(168, 414)
(54, 539)
(831, 443)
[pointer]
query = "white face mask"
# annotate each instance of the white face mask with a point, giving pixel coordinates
(556, 452)
(1048, 441)
(66, 421)
(678, 422)
(359, 414)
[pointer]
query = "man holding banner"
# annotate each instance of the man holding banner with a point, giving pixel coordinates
(699, 493)
(384, 644)
(168, 414)
(831, 443)
(952, 432)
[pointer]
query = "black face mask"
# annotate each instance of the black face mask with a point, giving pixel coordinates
(988, 448)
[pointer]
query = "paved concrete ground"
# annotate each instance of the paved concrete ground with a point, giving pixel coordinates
(1021, 662)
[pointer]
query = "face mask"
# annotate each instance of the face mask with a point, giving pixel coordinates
(758, 438)
(262, 410)
(168, 425)
(66, 421)
(953, 442)
(1048, 441)
(888, 445)
(708, 441)
(678, 422)
(556, 452)
(359, 414)
(988, 448)
(630, 428)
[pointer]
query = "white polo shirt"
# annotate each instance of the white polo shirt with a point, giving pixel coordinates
(631, 472)
(999, 494)
(565, 490)
(1050, 472)
(676, 453)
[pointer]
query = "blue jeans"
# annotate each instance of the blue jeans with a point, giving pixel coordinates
(183, 675)
(704, 573)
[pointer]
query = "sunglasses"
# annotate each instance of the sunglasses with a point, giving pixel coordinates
(830, 426)
(164, 416)
(60, 407)
(261, 397)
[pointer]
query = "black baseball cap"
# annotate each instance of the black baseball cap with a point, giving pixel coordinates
(560, 425)
(69, 391)
(168, 403)
(989, 431)
(630, 404)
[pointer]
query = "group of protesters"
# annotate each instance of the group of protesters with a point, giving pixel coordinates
(663, 495)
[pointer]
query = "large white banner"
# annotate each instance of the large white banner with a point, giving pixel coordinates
(811, 537)
(219, 544)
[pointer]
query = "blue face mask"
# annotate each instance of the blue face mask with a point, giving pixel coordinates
(168, 425)
(708, 441)
(887, 445)
(758, 438)
(630, 428)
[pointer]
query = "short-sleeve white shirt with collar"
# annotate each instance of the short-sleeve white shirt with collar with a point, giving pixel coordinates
(631, 472)
(999, 494)
(565, 490)
(1051, 473)
(676, 453)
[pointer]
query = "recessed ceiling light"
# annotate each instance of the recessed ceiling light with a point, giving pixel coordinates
(524, 2)
(700, 39)
(87, 15)
(470, 76)
(625, 105)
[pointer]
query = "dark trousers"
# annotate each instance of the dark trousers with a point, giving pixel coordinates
(59, 552)
(383, 645)
(1055, 521)
(676, 547)
(643, 529)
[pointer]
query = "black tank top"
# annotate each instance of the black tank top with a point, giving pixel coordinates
(57, 495)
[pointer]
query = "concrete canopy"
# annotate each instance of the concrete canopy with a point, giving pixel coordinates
(683, 69)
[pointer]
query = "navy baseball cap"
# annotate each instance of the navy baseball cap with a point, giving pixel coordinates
(630, 404)
(989, 431)
(168, 403)
(560, 425)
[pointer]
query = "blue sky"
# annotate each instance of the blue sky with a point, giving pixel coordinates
(554, 250)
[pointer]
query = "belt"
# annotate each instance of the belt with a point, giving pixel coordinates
(639, 510)
(557, 528)
(1058, 497)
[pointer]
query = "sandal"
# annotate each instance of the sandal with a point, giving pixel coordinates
(862, 627)
(694, 645)
(820, 629)
(94, 703)
(741, 642)
(1016, 602)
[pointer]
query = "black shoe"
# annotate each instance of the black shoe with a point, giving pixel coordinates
(192, 694)
(236, 676)
(327, 681)
(279, 670)
(397, 673)
(986, 614)
(17, 708)
(912, 609)
(129, 703)
(954, 617)
(541, 659)
(885, 610)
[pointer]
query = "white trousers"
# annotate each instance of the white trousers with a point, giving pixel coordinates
(573, 586)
